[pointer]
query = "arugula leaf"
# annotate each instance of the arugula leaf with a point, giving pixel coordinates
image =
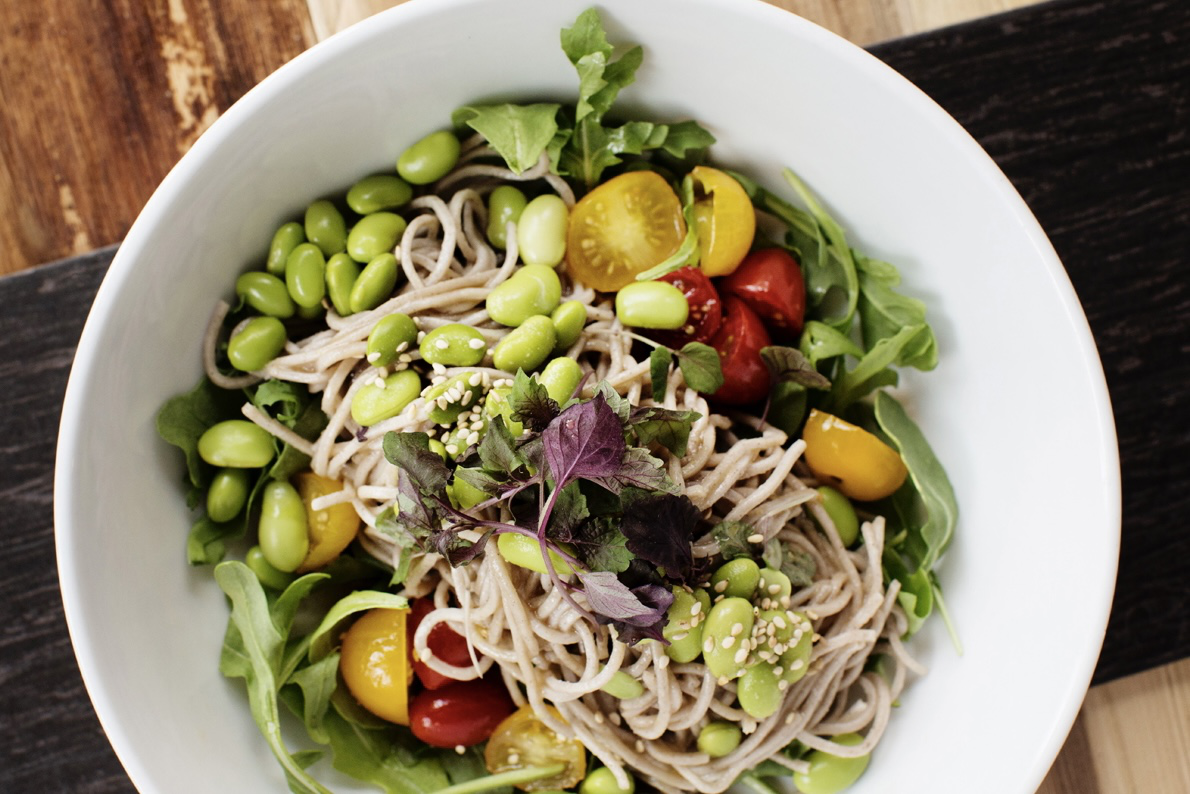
(685, 137)
(831, 280)
(884, 313)
(872, 371)
(820, 342)
(393, 529)
(383, 757)
(701, 367)
(520, 133)
(317, 682)
(184, 418)
(788, 364)
(660, 361)
(324, 637)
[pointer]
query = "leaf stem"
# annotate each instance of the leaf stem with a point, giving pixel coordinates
(516, 776)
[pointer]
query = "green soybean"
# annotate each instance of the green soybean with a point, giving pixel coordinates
(454, 345)
(718, 739)
(758, 691)
(228, 494)
(683, 627)
(830, 774)
(736, 578)
(256, 343)
(505, 205)
(602, 781)
(269, 576)
(560, 377)
(373, 404)
(341, 275)
(311, 312)
(841, 513)
(391, 336)
(305, 275)
(374, 235)
(375, 283)
(496, 404)
(773, 584)
(438, 448)
(541, 231)
(429, 159)
(623, 686)
(283, 530)
(266, 293)
(795, 661)
(378, 192)
(525, 551)
(236, 443)
(326, 228)
(527, 346)
(287, 238)
(463, 494)
(453, 396)
(652, 304)
(569, 320)
(721, 648)
(532, 290)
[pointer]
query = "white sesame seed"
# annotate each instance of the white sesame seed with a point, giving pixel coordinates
(694, 610)
(616, 719)
(721, 586)
(461, 750)
(373, 357)
(757, 538)
(452, 449)
(797, 664)
(401, 348)
(708, 646)
(473, 438)
(478, 424)
(718, 598)
(779, 622)
(723, 680)
(476, 344)
(811, 614)
(728, 642)
(405, 358)
(782, 685)
(741, 656)
(442, 403)
(737, 629)
(640, 746)
(598, 718)
(789, 719)
(438, 368)
(774, 589)
(420, 336)
(378, 382)
(438, 380)
(679, 638)
(778, 670)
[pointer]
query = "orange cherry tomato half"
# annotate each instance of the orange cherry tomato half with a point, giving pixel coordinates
(330, 530)
(374, 663)
(851, 459)
(523, 740)
(463, 713)
(738, 341)
(771, 283)
(706, 309)
(621, 228)
(726, 220)
(444, 642)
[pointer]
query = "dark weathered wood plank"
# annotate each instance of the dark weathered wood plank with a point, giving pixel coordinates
(101, 98)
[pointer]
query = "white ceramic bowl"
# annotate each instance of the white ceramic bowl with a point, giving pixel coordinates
(1017, 409)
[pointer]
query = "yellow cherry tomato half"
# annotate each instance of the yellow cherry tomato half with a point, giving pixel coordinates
(330, 530)
(851, 459)
(374, 663)
(725, 220)
(621, 228)
(522, 740)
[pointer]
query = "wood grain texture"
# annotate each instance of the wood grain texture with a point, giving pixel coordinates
(100, 98)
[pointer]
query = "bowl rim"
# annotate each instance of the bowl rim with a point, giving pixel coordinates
(131, 250)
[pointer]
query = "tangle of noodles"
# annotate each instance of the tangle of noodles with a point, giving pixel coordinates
(513, 617)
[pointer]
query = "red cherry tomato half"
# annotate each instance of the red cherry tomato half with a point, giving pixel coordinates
(738, 342)
(771, 283)
(444, 642)
(461, 713)
(706, 311)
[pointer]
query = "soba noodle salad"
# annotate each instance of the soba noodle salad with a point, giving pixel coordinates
(563, 459)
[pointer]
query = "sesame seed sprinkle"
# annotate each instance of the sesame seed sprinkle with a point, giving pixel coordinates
(373, 357)
(476, 344)
(728, 642)
(757, 538)
(721, 586)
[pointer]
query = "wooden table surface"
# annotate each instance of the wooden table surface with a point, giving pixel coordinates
(101, 99)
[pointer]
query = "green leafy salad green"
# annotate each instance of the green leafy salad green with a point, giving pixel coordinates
(582, 476)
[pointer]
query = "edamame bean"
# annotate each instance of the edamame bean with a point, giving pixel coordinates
(429, 159)
(228, 494)
(454, 345)
(729, 622)
(266, 293)
(758, 691)
(269, 576)
(236, 443)
(736, 578)
(603, 781)
(541, 231)
(453, 396)
(652, 304)
(841, 513)
(683, 627)
(623, 686)
(496, 404)
(830, 774)
(463, 494)
(311, 312)
(718, 739)
(438, 448)
(527, 346)
(505, 205)
(560, 378)
(305, 275)
(391, 336)
(773, 585)
(378, 192)
(532, 290)
(283, 533)
(373, 404)
(375, 283)
(256, 343)
(341, 275)
(569, 320)
(287, 238)
(374, 235)
(525, 551)
(326, 228)
(795, 661)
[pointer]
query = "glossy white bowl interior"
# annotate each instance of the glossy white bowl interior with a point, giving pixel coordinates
(1017, 409)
